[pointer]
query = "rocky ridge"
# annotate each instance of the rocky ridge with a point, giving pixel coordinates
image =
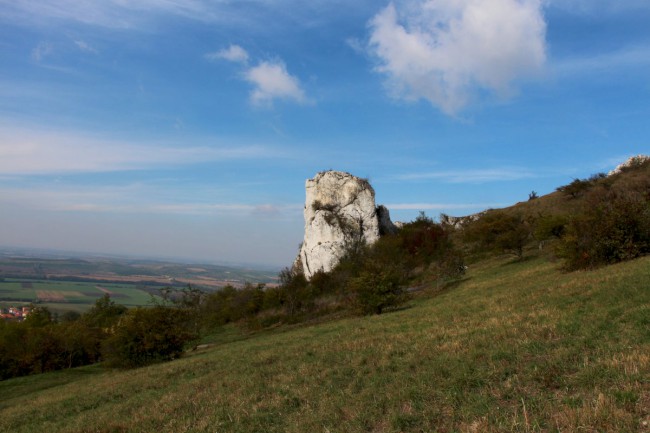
(340, 213)
(631, 162)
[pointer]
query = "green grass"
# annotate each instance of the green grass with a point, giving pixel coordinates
(515, 347)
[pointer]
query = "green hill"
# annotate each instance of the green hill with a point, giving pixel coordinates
(514, 347)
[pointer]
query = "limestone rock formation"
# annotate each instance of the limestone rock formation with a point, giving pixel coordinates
(631, 162)
(340, 213)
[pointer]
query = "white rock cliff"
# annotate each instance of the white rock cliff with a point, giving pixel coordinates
(340, 212)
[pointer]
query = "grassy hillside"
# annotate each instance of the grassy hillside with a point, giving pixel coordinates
(514, 347)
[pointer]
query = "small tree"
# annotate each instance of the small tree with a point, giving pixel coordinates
(294, 292)
(149, 335)
(38, 317)
(104, 314)
(377, 288)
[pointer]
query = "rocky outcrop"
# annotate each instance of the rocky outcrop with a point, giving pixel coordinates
(631, 162)
(340, 213)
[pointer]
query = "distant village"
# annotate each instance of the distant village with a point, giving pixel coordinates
(14, 313)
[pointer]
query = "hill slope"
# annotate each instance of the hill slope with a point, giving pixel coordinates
(515, 346)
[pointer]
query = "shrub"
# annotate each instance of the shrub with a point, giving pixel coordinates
(550, 226)
(149, 335)
(104, 314)
(38, 317)
(377, 288)
(424, 241)
(294, 292)
(499, 231)
(579, 187)
(613, 226)
(216, 308)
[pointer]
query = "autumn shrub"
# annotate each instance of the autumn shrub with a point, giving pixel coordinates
(499, 231)
(423, 241)
(579, 187)
(613, 226)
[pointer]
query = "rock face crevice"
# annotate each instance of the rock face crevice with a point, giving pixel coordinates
(340, 213)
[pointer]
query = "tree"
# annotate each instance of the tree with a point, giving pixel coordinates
(294, 291)
(38, 317)
(424, 241)
(104, 314)
(377, 288)
(149, 335)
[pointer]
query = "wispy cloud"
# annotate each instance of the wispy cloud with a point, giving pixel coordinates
(130, 199)
(109, 13)
(442, 206)
(447, 52)
(42, 50)
(47, 152)
(599, 6)
(85, 46)
(136, 15)
(234, 53)
(471, 176)
(628, 57)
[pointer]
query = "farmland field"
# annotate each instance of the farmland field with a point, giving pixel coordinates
(62, 296)
(63, 282)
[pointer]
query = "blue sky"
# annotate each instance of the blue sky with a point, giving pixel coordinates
(186, 128)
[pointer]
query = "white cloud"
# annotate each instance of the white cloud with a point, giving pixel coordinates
(42, 50)
(132, 199)
(84, 46)
(472, 176)
(47, 152)
(448, 51)
(628, 57)
(272, 81)
(106, 13)
(598, 6)
(135, 15)
(442, 206)
(233, 53)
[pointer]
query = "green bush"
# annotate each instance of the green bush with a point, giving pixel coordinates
(294, 291)
(377, 288)
(550, 227)
(104, 314)
(499, 231)
(613, 226)
(149, 335)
